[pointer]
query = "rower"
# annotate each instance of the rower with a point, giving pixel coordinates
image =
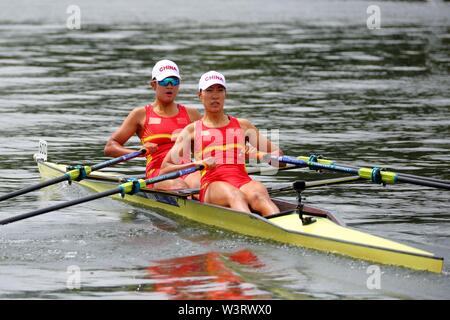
(219, 143)
(157, 125)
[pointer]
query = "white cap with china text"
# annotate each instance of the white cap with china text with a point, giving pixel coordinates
(164, 69)
(210, 78)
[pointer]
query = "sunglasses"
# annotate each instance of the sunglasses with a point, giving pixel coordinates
(171, 80)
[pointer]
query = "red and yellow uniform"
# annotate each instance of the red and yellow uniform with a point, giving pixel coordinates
(163, 132)
(227, 146)
(177, 278)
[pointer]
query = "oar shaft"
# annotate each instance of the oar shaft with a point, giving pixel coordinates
(316, 165)
(73, 174)
(423, 182)
(407, 175)
(315, 184)
(35, 187)
(60, 206)
(367, 173)
(424, 178)
(326, 182)
(174, 175)
(129, 187)
(114, 161)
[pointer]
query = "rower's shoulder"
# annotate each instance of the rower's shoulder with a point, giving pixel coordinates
(190, 127)
(136, 116)
(193, 113)
(187, 132)
(138, 111)
(245, 123)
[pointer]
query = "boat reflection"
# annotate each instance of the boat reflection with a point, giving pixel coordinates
(211, 276)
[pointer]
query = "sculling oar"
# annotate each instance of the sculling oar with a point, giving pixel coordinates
(375, 174)
(330, 162)
(131, 187)
(314, 184)
(76, 173)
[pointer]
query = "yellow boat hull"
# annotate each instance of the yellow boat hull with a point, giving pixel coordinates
(323, 234)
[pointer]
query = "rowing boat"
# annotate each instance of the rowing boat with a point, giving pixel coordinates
(309, 227)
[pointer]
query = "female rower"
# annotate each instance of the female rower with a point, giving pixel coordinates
(157, 125)
(219, 143)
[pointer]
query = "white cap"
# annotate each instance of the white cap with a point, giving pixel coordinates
(164, 69)
(210, 78)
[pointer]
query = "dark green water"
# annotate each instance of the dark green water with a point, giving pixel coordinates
(310, 69)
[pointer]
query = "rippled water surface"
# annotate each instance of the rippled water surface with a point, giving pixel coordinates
(310, 69)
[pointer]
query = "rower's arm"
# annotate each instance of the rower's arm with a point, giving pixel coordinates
(131, 125)
(179, 156)
(259, 142)
(194, 114)
(257, 139)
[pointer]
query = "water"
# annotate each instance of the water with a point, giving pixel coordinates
(311, 69)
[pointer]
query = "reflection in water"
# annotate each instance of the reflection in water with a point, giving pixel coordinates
(211, 276)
